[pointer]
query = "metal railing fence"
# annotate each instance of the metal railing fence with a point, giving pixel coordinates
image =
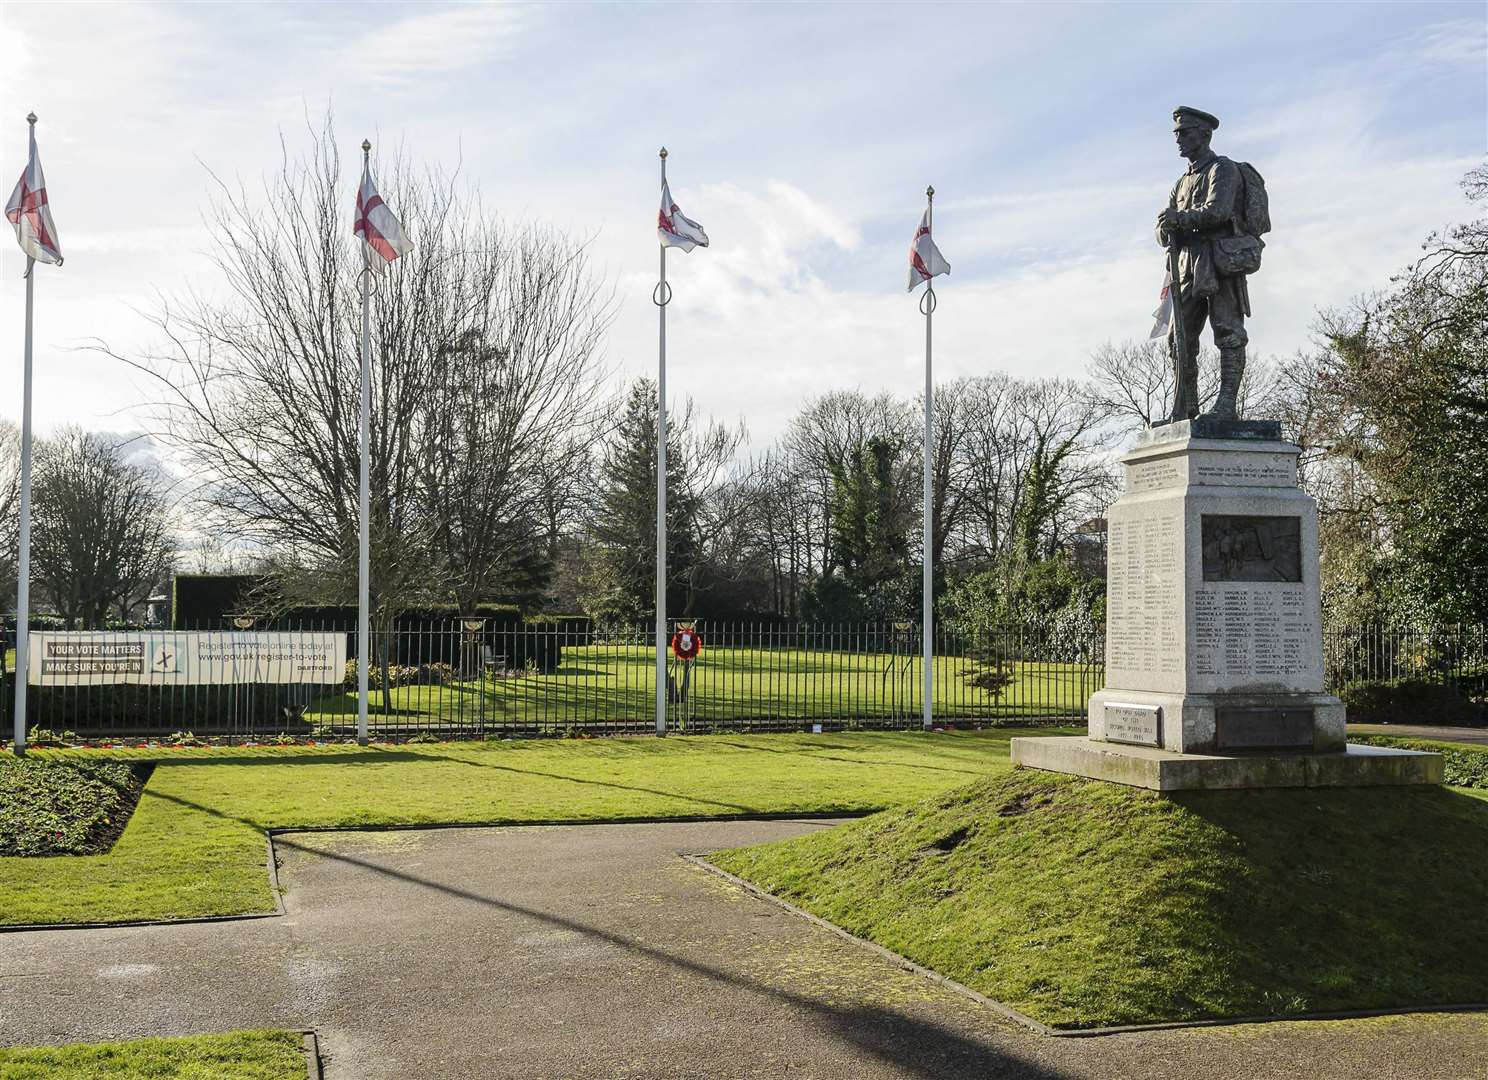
(1453, 655)
(484, 677)
(477, 678)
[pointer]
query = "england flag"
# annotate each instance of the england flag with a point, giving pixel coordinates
(675, 228)
(29, 212)
(925, 259)
(376, 225)
(1163, 316)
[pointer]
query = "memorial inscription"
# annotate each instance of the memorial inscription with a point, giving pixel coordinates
(1153, 475)
(1244, 474)
(1246, 548)
(1140, 725)
(1146, 559)
(1245, 633)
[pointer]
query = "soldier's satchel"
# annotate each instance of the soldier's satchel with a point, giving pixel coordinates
(1241, 253)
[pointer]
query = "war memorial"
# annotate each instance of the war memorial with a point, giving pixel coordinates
(1214, 663)
(810, 899)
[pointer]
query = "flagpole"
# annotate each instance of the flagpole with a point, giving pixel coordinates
(23, 561)
(661, 297)
(927, 583)
(364, 544)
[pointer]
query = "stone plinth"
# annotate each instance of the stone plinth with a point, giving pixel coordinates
(1213, 618)
(1162, 770)
(1214, 642)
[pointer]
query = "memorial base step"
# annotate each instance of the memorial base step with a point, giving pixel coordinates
(1162, 770)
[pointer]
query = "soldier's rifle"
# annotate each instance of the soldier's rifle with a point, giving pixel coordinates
(1175, 295)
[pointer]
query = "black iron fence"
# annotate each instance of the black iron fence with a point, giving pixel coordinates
(1454, 656)
(480, 677)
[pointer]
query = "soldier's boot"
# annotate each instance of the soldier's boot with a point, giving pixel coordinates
(1186, 392)
(1231, 370)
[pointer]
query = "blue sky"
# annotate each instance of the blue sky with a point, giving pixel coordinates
(802, 137)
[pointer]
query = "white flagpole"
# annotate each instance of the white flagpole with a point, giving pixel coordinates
(364, 544)
(661, 297)
(927, 584)
(23, 563)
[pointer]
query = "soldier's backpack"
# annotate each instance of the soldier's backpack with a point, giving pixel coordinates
(1241, 253)
(1255, 208)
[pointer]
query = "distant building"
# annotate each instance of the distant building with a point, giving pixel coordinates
(1088, 548)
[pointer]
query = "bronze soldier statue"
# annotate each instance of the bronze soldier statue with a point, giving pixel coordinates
(1214, 219)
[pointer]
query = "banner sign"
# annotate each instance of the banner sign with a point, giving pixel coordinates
(185, 658)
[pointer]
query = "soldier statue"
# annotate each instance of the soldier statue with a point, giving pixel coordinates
(1211, 227)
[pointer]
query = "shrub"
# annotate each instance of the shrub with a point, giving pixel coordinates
(126, 707)
(1408, 701)
(437, 674)
(40, 736)
(1463, 766)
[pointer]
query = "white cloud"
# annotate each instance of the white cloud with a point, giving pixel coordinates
(433, 42)
(557, 112)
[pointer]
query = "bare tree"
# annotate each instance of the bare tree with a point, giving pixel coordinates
(10, 509)
(483, 349)
(99, 539)
(1035, 466)
(1131, 384)
(513, 407)
(823, 437)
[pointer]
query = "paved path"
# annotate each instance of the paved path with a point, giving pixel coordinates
(1476, 735)
(593, 951)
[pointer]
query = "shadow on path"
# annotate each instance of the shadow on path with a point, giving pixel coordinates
(916, 1047)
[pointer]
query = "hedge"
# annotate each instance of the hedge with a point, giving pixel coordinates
(1464, 766)
(1408, 701)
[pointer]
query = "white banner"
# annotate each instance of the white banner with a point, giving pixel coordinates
(182, 658)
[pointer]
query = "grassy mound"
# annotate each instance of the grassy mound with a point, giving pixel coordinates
(60, 807)
(1085, 904)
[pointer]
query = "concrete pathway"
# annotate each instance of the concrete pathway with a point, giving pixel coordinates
(593, 951)
(1475, 735)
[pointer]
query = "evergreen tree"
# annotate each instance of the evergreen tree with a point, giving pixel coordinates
(868, 576)
(620, 583)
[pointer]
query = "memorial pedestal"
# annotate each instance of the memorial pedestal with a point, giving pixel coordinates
(1213, 619)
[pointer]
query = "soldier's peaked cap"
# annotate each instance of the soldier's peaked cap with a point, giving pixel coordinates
(1187, 116)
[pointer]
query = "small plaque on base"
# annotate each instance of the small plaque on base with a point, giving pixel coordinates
(1139, 725)
(1263, 729)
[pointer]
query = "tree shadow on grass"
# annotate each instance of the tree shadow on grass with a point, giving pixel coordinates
(816, 755)
(330, 757)
(912, 1046)
(713, 806)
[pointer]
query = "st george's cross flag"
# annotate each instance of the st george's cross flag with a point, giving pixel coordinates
(28, 211)
(377, 226)
(675, 228)
(925, 259)
(1163, 316)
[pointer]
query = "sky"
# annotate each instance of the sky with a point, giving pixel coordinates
(802, 136)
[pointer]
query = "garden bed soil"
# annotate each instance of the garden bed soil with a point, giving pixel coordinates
(51, 807)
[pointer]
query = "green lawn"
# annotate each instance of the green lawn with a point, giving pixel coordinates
(602, 685)
(1082, 903)
(238, 1055)
(195, 844)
